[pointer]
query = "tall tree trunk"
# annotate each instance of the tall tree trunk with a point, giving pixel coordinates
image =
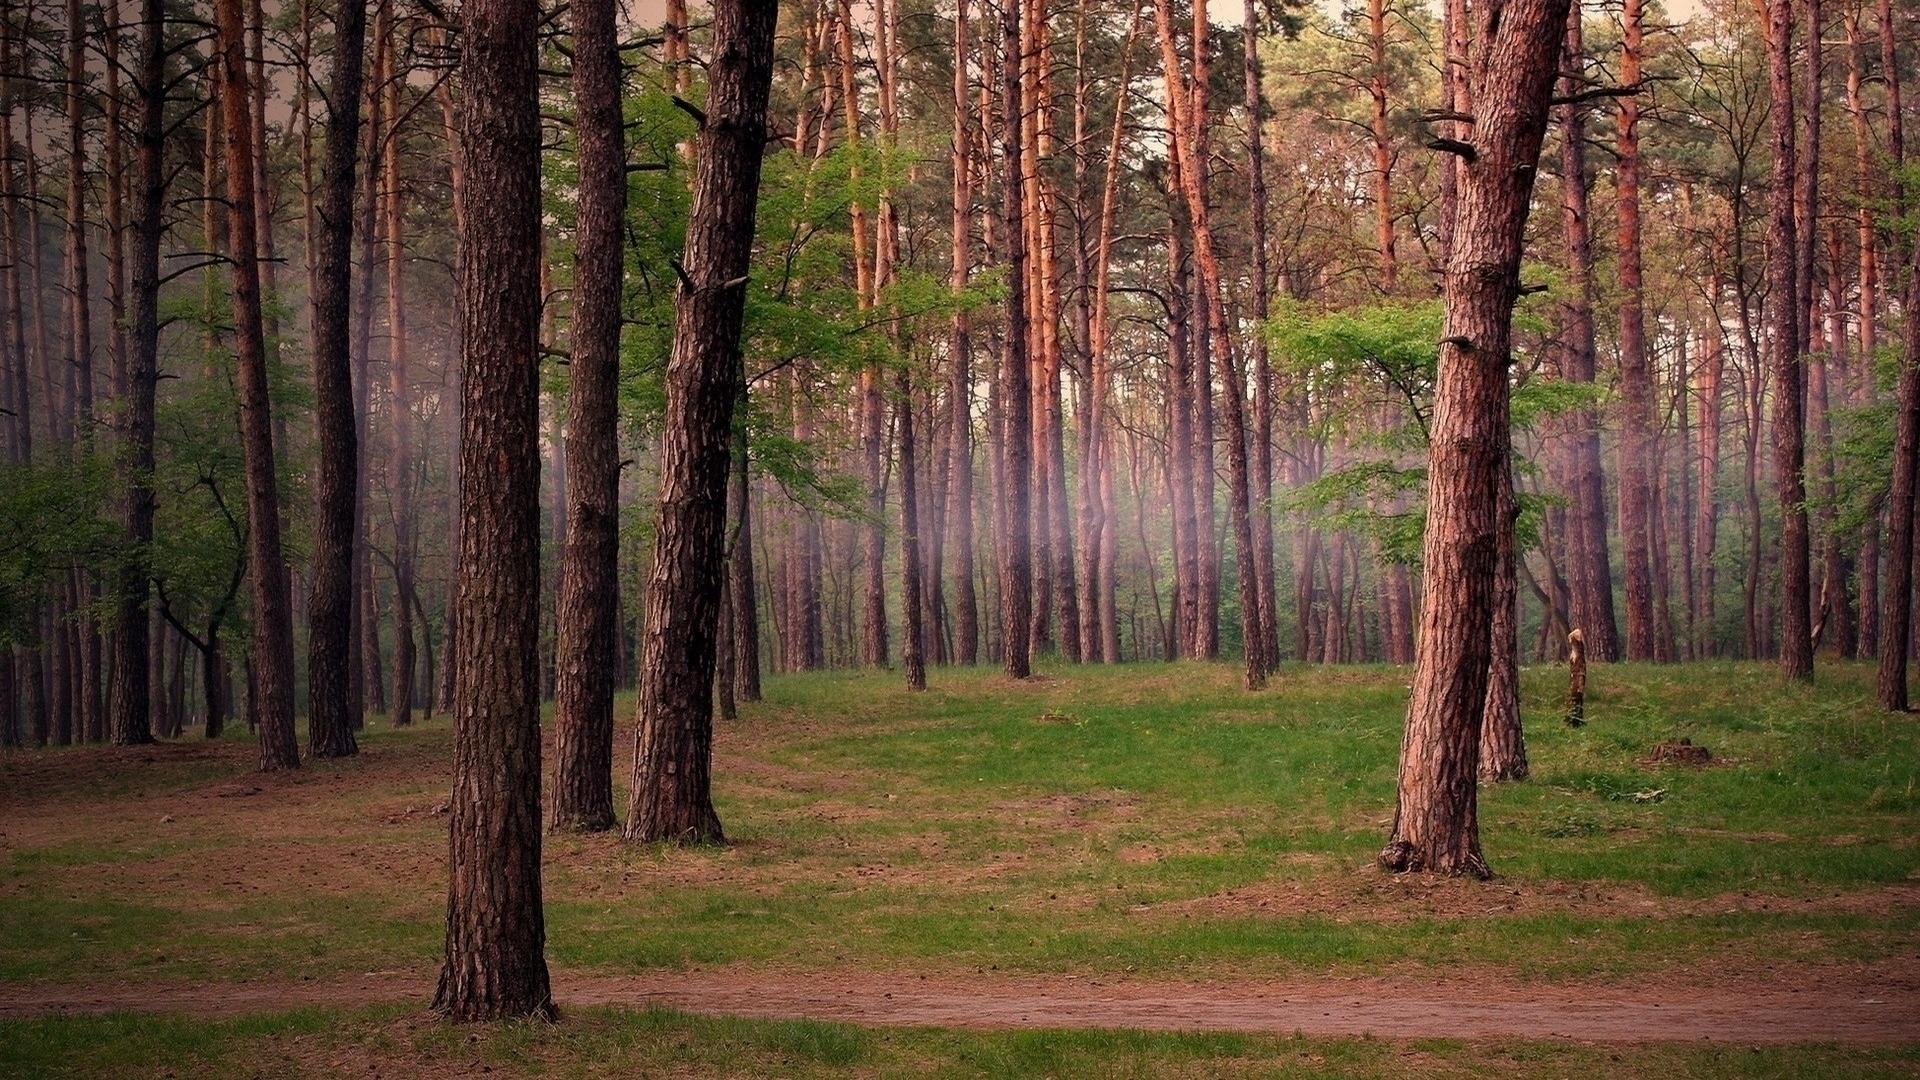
(1897, 581)
(1636, 366)
(272, 638)
(496, 930)
(1016, 417)
(1435, 826)
(589, 568)
(1262, 436)
(1588, 556)
(1188, 108)
(400, 392)
(673, 741)
(1784, 319)
(966, 616)
(129, 701)
(87, 700)
(1866, 175)
(330, 640)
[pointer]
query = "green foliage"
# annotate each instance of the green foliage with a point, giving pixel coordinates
(55, 517)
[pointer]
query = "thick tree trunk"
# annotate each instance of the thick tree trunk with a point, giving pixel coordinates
(673, 741)
(589, 569)
(330, 640)
(1435, 825)
(496, 930)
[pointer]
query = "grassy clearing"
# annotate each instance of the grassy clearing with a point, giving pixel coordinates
(1142, 819)
(604, 1042)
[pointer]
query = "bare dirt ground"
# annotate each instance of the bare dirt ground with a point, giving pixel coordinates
(1804, 1006)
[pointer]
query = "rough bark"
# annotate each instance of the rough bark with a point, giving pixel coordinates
(1016, 434)
(1636, 366)
(1588, 557)
(495, 964)
(1435, 826)
(330, 640)
(589, 568)
(1784, 319)
(272, 638)
(129, 700)
(673, 739)
(966, 612)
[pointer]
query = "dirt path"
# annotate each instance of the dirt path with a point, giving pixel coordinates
(1823, 1011)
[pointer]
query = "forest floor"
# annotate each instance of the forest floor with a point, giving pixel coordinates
(1139, 870)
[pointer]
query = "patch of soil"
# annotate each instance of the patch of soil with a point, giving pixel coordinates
(1368, 896)
(1808, 1006)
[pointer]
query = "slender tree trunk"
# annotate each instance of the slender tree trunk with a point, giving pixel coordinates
(1784, 319)
(272, 638)
(1262, 436)
(400, 423)
(496, 930)
(1435, 825)
(1189, 112)
(129, 701)
(745, 608)
(1897, 582)
(673, 739)
(330, 640)
(966, 629)
(1591, 565)
(1016, 418)
(1636, 366)
(589, 569)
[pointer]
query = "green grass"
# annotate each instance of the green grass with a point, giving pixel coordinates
(1153, 820)
(605, 1042)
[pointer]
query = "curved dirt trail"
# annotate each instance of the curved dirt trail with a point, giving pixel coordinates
(1832, 1011)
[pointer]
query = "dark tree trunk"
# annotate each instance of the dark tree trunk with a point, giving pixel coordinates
(496, 929)
(400, 407)
(272, 639)
(673, 740)
(745, 608)
(1016, 402)
(589, 569)
(330, 640)
(1262, 435)
(913, 632)
(1435, 826)
(129, 702)
(1784, 318)
(1895, 632)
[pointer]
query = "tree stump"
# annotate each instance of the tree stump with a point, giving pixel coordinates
(1576, 679)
